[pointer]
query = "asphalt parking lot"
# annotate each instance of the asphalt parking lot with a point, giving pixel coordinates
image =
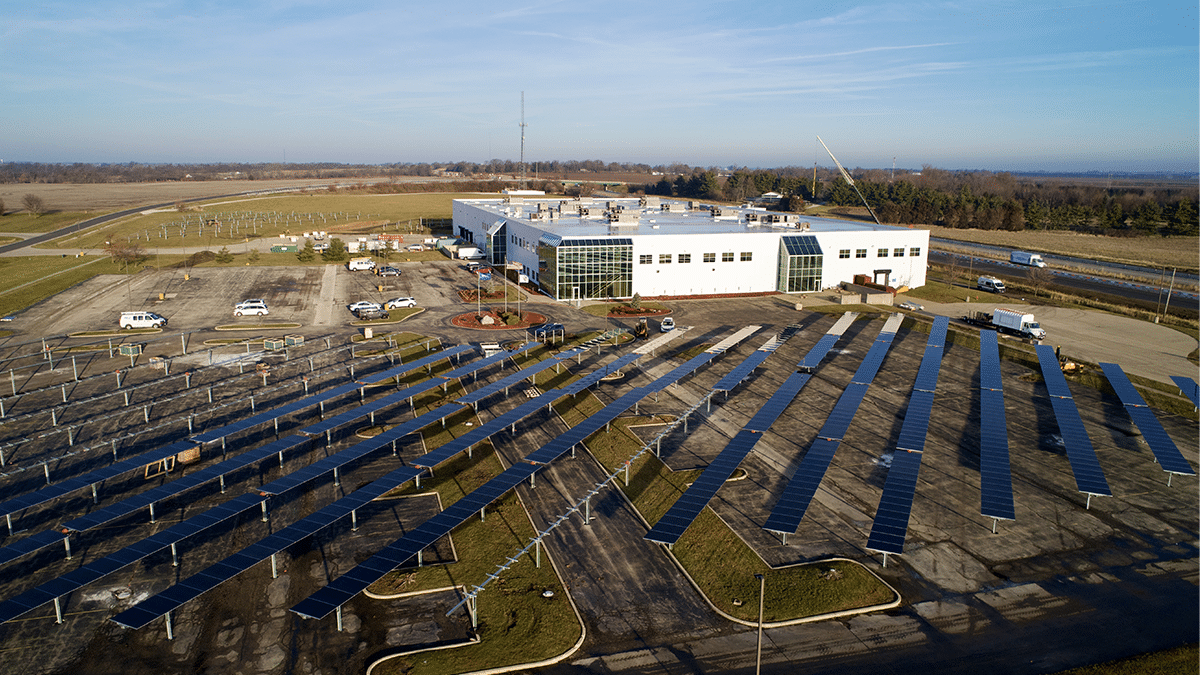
(1065, 577)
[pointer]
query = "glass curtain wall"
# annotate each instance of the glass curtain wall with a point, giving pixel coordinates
(800, 261)
(587, 269)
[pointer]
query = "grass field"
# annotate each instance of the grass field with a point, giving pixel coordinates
(27, 224)
(1183, 660)
(269, 217)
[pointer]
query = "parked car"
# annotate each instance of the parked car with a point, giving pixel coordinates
(371, 313)
(911, 306)
(363, 304)
(389, 271)
(397, 303)
(250, 301)
(251, 308)
(475, 266)
(667, 325)
(547, 329)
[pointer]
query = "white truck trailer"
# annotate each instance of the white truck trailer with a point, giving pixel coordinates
(1008, 321)
(1026, 258)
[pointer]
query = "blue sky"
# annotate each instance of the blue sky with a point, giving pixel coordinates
(1004, 85)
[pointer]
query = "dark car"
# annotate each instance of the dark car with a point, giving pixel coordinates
(389, 271)
(548, 329)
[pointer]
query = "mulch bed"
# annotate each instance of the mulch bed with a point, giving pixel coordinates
(473, 320)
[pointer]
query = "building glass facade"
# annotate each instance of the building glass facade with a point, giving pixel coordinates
(586, 269)
(800, 263)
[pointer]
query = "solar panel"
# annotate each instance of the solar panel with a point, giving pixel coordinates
(871, 362)
(931, 365)
(172, 598)
(989, 361)
(916, 422)
(679, 372)
(1056, 384)
(843, 412)
(995, 472)
(937, 332)
(597, 374)
(1089, 477)
(1189, 387)
(815, 355)
(51, 492)
(510, 381)
(1164, 449)
(798, 494)
(1121, 384)
(895, 505)
(839, 327)
(741, 371)
(494, 358)
(801, 244)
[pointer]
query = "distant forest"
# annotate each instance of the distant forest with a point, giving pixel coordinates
(958, 199)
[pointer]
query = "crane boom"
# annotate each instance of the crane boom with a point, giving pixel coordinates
(846, 175)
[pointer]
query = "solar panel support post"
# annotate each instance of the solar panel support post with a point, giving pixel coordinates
(264, 510)
(531, 484)
(354, 520)
(58, 614)
(274, 567)
(482, 514)
(210, 399)
(253, 404)
(994, 521)
(54, 418)
(784, 538)
(46, 470)
(276, 420)
(187, 378)
(67, 544)
(170, 629)
(885, 559)
(339, 618)
(537, 553)
(222, 483)
(189, 424)
(8, 519)
(310, 369)
(127, 394)
(152, 513)
(322, 405)
(472, 608)
(174, 555)
(587, 512)
(337, 480)
(95, 497)
(328, 438)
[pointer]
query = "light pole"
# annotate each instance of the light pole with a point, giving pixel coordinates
(762, 587)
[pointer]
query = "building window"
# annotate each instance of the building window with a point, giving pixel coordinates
(860, 253)
(883, 252)
(747, 256)
(844, 253)
(726, 257)
(645, 259)
(915, 251)
(710, 257)
(898, 253)
(587, 269)
(685, 258)
(664, 258)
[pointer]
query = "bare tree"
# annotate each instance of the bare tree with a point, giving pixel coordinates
(1039, 278)
(1, 207)
(125, 252)
(33, 204)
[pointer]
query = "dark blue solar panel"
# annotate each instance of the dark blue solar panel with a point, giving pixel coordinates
(843, 411)
(995, 473)
(679, 372)
(51, 492)
(595, 376)
(380, 403)
(801, 244)
(1164, 449)
(927, 374)
(143, 613)
(916, 422)
(1056, 384)
(1121, 384)
(989, 361)
(937, 332)
(1089, 477)
(1189, 387)
(895, 505)
(779, 401)
(798, 494)
(672, 525)
(341, 590)
(815, 355)
(741, 371)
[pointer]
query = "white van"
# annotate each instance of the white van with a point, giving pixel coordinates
(141, 320)
(360, 264)
(990, 284)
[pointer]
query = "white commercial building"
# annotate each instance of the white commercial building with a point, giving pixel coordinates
(612, 248)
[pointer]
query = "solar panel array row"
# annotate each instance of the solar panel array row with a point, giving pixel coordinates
(1164, 449)
(995, 471)
(684, 511)
(494, 358)
(890, 526)
(1089, 477)
(512, 380)
(65, 487)
(328, 395)
(743, 369)
(341, 590)
(798, 493)
(175, 596)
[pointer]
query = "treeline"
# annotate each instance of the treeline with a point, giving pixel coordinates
(958, 199)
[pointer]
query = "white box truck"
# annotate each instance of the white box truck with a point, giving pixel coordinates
(1025, 258)
(1008, 321)
(990, 284)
